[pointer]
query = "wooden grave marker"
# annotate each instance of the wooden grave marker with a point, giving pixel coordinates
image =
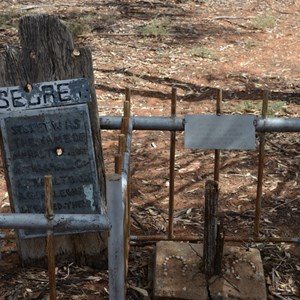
(51, 127)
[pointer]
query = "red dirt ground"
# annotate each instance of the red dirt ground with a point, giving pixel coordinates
(240, 46)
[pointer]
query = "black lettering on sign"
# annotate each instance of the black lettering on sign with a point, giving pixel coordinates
(56, 125)
(40, 126)
(64, 92)
(35, 100)
(48, 94)
(44, 94)
(4, 102)
(56, 141)
(72, 124)
(17, 99)
(29, 153)
(21, 129)
(30, 208)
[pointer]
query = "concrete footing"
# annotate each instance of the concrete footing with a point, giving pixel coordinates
(178, 274)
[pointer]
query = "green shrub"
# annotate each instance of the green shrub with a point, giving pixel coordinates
(264, 22)
(78, 28)
(9, 19)
(156, 28)
(250, 44)
(203, 52)
(274, 107)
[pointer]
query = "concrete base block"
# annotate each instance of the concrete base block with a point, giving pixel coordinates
(242, 276)
(170, 279)
(178, 274)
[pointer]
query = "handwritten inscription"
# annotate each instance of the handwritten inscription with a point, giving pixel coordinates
(57, 142)
(46, 94)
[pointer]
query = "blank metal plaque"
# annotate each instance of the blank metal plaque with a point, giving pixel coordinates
(225, 132)
(52, 141)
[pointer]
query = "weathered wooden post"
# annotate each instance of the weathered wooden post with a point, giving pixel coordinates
(47, 54)
(213, 236)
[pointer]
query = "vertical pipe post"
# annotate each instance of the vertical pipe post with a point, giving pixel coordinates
(261, 159)
(125, 119)
(128, 94)
(217, 152)
(127, 190)
(172, 166)
(116, 263)
(118, 164)
(119, 158)
(126, 112)
(49, 214)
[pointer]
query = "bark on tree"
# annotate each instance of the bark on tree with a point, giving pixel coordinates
(47, 54)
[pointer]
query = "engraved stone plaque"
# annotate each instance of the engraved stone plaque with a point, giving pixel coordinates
(57, 142)
(225, 132)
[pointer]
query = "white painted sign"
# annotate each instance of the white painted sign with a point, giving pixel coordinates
(44, 94)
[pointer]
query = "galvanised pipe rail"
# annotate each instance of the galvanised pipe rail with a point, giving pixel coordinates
(145, 123)
(177, 123)
(60, 222)
(277, 124)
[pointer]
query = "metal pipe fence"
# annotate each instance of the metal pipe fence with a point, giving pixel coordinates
(97, 222)
(177, 124)
(60, 222)
(174, 124)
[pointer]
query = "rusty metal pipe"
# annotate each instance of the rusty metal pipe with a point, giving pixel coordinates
(49, 214)
(218, 152)
(261, 159)
(236, 239)
(172, 167)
